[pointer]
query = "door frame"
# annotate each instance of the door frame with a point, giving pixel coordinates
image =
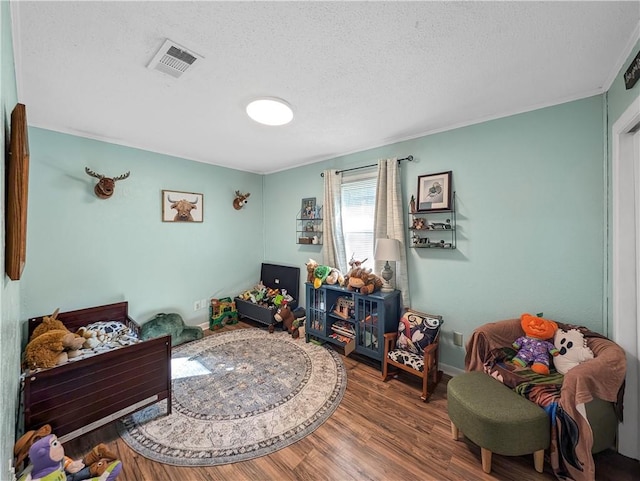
(626, 268)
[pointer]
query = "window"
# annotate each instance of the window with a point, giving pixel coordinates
(358, 214)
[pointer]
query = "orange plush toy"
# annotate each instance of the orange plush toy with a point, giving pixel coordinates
(534, 348)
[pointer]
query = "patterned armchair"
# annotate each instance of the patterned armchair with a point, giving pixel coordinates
(414, 348)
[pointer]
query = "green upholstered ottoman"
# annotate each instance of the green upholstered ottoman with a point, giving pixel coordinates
(497, 419)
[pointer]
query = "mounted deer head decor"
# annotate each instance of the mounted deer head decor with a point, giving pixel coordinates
(240, 201)
(105, 187)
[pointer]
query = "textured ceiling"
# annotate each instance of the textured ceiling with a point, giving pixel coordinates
(357, 74)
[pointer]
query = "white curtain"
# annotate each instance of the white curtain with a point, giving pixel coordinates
(389, 221)
(333, 251)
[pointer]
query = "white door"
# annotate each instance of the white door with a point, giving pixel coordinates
(626, 267)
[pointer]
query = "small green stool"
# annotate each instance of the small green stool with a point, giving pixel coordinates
(497, 419)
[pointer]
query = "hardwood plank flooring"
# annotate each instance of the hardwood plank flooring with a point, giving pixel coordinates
(380, 431)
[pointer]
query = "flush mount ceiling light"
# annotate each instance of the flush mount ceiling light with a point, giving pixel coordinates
(270, 111)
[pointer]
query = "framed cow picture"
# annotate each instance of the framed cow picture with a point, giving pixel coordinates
(182, 206)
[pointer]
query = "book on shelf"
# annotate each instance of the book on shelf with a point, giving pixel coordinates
(344, 329)
(340, 338)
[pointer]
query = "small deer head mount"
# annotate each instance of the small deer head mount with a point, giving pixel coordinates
(105, 187)
(241, 200)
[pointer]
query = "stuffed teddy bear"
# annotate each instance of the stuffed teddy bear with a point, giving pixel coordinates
(572, 349)
(534, 347)
(51, 344)
(49, 463)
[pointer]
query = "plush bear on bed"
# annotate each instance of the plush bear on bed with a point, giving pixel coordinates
(51, 344)
(163, 324)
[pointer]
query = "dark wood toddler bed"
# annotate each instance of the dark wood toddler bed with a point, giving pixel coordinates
(83, 395)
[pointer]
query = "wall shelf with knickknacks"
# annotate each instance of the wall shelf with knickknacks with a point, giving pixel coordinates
(433, 229)
(309, 226)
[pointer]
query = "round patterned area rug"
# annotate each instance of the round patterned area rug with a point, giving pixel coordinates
(238, 395)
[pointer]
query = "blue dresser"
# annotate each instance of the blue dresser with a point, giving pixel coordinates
(351, 320)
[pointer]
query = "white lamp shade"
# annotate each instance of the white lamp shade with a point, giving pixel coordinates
(387, 250)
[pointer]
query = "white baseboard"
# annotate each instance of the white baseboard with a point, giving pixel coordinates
(450, 370)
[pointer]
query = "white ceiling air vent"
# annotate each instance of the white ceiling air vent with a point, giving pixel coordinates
(173, 59)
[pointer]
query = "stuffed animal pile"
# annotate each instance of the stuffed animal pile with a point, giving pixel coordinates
(359, 278)
(318, 274)
(266, 296)
(48, 461)
(51, 344)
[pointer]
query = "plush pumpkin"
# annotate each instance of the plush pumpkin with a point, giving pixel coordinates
(534, 347)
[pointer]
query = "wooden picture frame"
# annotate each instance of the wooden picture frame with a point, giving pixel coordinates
(182, 206)
(434, 192)
(17, 195)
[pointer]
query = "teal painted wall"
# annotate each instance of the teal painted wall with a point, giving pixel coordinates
(84, 251)
(531, 203)
(10, 290)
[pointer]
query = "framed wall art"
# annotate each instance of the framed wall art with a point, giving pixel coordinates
(17, 193)
(434, 192)
(308, 208)
(182, 206)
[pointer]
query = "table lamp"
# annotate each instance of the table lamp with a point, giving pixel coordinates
(387, 250)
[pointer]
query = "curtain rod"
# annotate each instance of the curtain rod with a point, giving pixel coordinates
(409, 158)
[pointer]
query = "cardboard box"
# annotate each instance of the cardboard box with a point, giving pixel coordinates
(349, 347)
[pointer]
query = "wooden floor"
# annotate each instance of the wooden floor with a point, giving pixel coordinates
(380, 431)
